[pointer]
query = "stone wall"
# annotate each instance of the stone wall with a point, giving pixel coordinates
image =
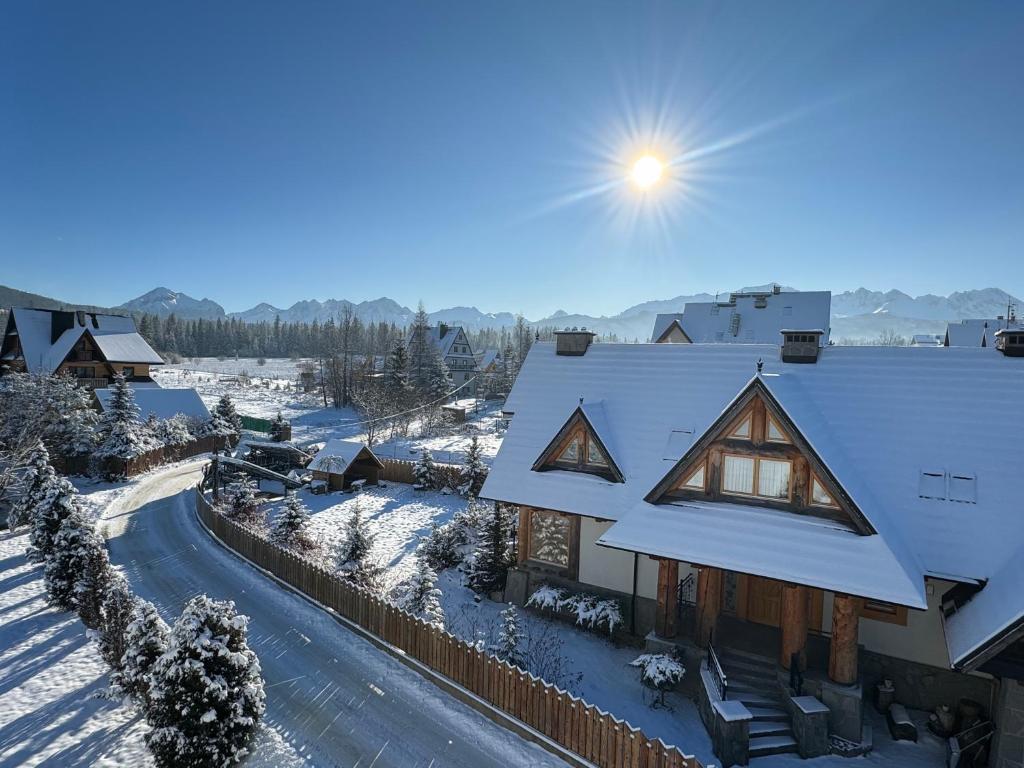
(1008, 750)
(921, 686)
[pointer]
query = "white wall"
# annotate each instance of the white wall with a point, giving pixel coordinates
(921, 640)
(613, 568)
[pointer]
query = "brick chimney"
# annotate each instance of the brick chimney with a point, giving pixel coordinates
(799, 346)
(573, 341)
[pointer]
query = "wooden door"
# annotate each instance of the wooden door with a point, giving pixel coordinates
(764, 600)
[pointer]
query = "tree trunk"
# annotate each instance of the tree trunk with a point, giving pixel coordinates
(842, 660)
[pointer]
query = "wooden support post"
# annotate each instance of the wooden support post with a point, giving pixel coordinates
(709, 603)
(795, 600)
(668, 582)
(523, 545)
(842, 659)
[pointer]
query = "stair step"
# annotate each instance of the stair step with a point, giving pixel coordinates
(771, 745)
(763, 714)
(770, 728)
(755, 699)
(752, 678)
(739, 685)
(745, 665)
(745, 656)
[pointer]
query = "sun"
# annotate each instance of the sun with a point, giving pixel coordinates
(647, 171)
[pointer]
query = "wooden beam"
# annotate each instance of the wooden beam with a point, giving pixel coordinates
(842, 659)
(668, 583)
(793, 622)
(523, 545)
(709, 603)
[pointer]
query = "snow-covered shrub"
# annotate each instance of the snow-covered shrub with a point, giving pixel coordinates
(510, 638)
(175, 431)
(470, 520)
(420, 596)
(94, 582)
(118, 606)
(245, 506)
(425, 471)
(441, 547)
(54, 500)
(277, 427)
(206, 694)
(225, 408)
(546, 597)
(660, 672)
(590, 611)
(145, 640)
(474, 471)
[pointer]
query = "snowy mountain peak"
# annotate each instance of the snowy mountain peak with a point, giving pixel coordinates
(163, 301)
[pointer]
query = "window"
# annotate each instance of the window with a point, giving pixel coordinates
(887, 612)
(742, 430)
(819, 496)
(594, 455)
(128, 371)
(572, 451)
(696, 479)
(80, 372)
(549, 537)
(774, 433)
(744, 474)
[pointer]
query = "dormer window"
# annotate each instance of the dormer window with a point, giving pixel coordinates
(572, 452)
(697, 479)
(578, 447)
(773, 432)
(754, 476)
(819, 496)
(743, 429)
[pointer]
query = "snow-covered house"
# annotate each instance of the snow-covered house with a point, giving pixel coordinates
(857, 506)
(457, 353)
(161, 403)
(488, 361)
(747, 318)
(90, 346)
(978, 332)
(341, 462)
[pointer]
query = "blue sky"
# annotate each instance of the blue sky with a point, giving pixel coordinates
(476, 152)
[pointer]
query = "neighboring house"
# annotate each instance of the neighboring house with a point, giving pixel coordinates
(859, 507)
(746, 318)
(457, 354)
(162, 403)
(488, 361)
(90, 346)
(926, 340)
(341, 462)
(978, 333)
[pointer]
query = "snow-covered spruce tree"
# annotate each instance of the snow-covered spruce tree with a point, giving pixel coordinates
(122, 435)
(420, 349)
(425, 471)
(439, 378)
(420, 595)
(353, 556)
(441, 547)
(474, 471)
(244, 504)
(225, 408)
(54, 501)
(510, 638)
(291, 523)
(145, 640)
(175, 431)
(219, 427)
(277, 428)
(75, 543)
(38, 475)
(206, 695)
(493, 555)
(118, 607)
(68, 419)
(94, 582)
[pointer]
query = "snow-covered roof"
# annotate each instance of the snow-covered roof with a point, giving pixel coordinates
(335, 457)
(976, 332)
(487, 358)
(162, 403)
(662, 322)
(877, 417)
(115, 336)
(753, 318)
(445, 340)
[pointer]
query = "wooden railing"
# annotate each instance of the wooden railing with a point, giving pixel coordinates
(592, 734)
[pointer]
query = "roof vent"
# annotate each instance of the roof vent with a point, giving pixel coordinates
(801, 346)
(573, 342)
(1010, 341)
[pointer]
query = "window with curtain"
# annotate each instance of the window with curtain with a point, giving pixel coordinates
(549, 537)
(738, 475)
(773, 479)
(765, 478)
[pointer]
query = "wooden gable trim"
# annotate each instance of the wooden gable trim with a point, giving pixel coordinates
(576, 422)
(757, 447)
(100, 358)
(674, 324)
(369, 456)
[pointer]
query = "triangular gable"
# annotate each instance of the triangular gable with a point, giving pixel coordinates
(672, 326)
(578, 446)
(752, 430)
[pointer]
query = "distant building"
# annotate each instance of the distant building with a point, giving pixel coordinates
(161, 403)
(755, 317)
(926, 340)
(342, 462)
(90, 346)
(457, 354)
(978, 333)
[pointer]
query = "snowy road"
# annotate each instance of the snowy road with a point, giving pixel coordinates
(334, 699)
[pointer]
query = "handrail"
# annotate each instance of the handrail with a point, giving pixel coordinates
(717, 673)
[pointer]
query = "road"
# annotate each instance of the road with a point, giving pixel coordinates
(332, 698)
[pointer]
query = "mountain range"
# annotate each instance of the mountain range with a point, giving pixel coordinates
(856, 315)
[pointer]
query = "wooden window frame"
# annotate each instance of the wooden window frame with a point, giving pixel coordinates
(757, 475)
(813, 478)
(768, 421)
(748, 418)
(525, 544)
(703, 465)
(898, 614)
(581, 464)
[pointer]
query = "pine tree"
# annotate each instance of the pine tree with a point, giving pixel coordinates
(75, 544)
(122, 435)
(145, 640)
(206, 694)
(38, 477)
(441, 547)
(439, 378)
(291, 523)
(118, 608)
(54, 500)
(493, 554)
(225, 408)
(425, 471)
(353, 554)
(245, 506)
(174, 432)
(396, 373)
(94, 582)
(510, 638)
(277, 428)
(420, 595)
(474, 471)
(420, 347)
(68, 418)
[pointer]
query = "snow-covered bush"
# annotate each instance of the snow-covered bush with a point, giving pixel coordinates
(660, 672)
(245, 506)
(145, 640)
(53, 501)
(94, 582)
(546, 597)
(420, 596)
(277, 427)
(590, 611)
(441, 547)
(474, 471)
(425, 472)
(36, 478)
(175, 431)
(470, 521)
(118, 606)
(206, 695)
(510, 638)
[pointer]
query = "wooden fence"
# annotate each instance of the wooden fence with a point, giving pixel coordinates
(582, 728)
(402, 471)
(82, 465)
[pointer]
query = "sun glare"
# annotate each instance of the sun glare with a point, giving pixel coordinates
(647, 171)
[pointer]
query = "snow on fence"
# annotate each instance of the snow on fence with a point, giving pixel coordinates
(402, 471)
(591, 733)
(81, 465)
